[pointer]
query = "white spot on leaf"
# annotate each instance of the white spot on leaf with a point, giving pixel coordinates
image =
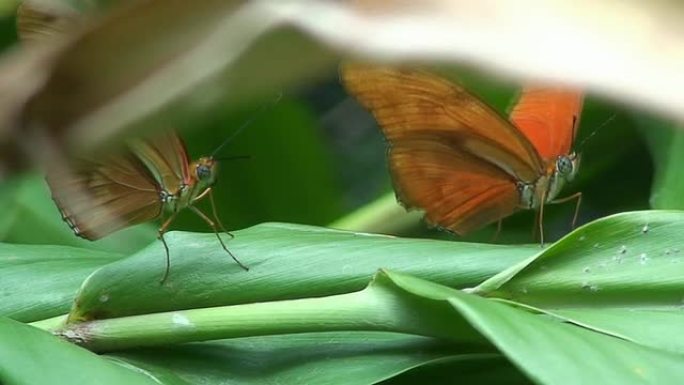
(181, 320)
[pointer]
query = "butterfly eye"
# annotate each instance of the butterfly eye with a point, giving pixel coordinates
(203, 172)
(565, 166)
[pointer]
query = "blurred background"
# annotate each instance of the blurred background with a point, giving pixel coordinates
(316, 157)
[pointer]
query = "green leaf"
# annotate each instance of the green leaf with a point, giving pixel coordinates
(551, 352)
(666, 143)
(286, 261)
(39, 282)
(656, 328)
(467, 369)
(548, 350)
(30, 356)
(627, 260)
(313, 358)
(401, 303)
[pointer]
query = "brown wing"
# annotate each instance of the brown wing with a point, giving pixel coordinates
(166, 158)
(549, 118)
(100, 197)
(458, 191)
(411, 104)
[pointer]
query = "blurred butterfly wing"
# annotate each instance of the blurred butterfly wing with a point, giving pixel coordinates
(99, 197)
(549, 118)
(413, 104)
(458, 192)
(166, 158)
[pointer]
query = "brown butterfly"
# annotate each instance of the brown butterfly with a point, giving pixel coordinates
(150, 179)
(459, 160)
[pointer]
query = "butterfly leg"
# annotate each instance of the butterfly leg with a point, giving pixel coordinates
(541, 219)
(213, 210)
(216, 217)
(498, 231)
(160, 236)
(578, 197)
(534, 227)
(213, 226)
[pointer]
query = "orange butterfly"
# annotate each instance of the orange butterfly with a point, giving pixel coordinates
(461, 161)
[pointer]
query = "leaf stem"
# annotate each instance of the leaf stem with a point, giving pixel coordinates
(375, 308)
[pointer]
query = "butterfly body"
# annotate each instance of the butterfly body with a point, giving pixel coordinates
(547, 187)
(457, 159)
(201, 178)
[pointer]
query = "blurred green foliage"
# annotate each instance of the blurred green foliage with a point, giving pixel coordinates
(288, 177)
(8, 30)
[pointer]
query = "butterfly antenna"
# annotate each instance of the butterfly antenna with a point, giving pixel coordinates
(584, 141)
(235, 157)
(247, 123)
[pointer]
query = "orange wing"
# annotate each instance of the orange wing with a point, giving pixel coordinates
(450, 154)
(412, 104)
(100, 197)
(458, 191)
(549, 118)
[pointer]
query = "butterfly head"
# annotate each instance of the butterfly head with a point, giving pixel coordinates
(567, 165)
(205, 170)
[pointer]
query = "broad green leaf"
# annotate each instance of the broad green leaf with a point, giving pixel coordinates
(666, 143)
(551, 352)
(481, 369)
(548, 350)
(396, 302)
(285, 261)
(627, 260)
(29, 356)
(38, 282)
(660, 329)
(314, 358)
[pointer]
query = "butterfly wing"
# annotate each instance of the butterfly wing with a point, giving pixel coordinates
(450, 154)
(549, 118)
(99, 197)
(458, 191)
(166, 158)
(411, 104)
